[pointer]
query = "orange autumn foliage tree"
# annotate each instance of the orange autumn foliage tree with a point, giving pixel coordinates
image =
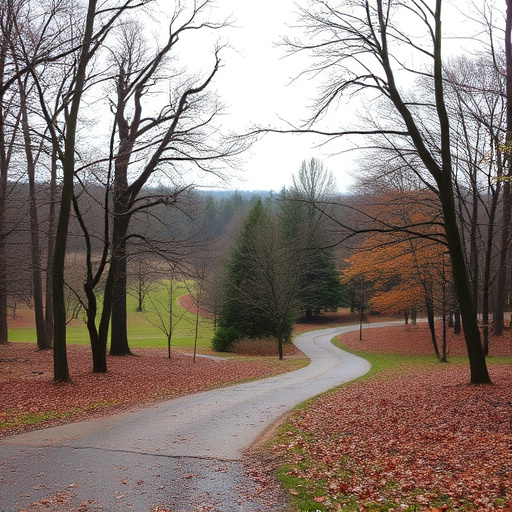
(406, 267)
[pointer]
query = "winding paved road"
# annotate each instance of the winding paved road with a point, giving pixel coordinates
(184, 454)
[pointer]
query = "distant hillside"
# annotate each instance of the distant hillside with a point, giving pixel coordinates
(244, 194)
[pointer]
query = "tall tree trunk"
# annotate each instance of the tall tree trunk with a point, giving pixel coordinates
(463, 290)
(474, 252)
(487, 269)
(119, 334)
(3, 253)
(4, 167)
(37, 286)
(3, 258)
(119, 343)
(60, 363)
(60, 359)
(444, 180)
(461, 278)
(502, 284)
(502, 280)
(50, 249)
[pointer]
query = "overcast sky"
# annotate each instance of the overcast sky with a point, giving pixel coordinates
(254, 83)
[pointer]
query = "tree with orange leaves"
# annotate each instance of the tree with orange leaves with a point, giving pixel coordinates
(406, 268)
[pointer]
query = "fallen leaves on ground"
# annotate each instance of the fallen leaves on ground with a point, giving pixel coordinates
(415, 340)
(411, 438)
(415, 437)
(30, 399)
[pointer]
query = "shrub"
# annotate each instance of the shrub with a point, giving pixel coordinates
(224, 339)
(256, 347)
(261, 347)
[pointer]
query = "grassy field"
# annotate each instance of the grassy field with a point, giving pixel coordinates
(142, 332)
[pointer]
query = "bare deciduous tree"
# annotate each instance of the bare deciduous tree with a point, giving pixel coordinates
(357, 46)
(181, 132)
(87, 39)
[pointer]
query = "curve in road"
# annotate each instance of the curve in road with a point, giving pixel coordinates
(184, 454)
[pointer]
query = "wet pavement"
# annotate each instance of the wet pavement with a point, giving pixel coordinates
(182, 455)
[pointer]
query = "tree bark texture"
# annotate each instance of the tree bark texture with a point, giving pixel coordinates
(442, 174)
(60, 366)
(431, 325)
(3, 235)
(119, 334)
(4, 168)
(37, 286)
(51, 246)
(503, 274)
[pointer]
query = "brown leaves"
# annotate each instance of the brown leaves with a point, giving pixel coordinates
(28, 399)
(416, 341)
(413, 437)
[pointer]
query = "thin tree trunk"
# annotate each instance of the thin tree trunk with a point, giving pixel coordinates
(502, 284)
(4, 168)
(501, 291)
(42, 340)
(140, 289)
(3, 265)
(171, 317)
(474, 262)
(487, 271)
(431, 325)
(50, 250)
(197, 325)
(99, 350)
(3, 252)
(60, 366)
(444, 349)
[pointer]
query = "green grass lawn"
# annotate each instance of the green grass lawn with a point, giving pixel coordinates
(142, 332)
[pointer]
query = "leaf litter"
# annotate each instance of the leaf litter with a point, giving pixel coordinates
(415, 437)
(410, 438)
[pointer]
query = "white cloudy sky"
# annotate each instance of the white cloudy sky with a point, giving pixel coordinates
(254, 83)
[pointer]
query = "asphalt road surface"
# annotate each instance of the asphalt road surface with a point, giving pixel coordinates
(181, 455)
